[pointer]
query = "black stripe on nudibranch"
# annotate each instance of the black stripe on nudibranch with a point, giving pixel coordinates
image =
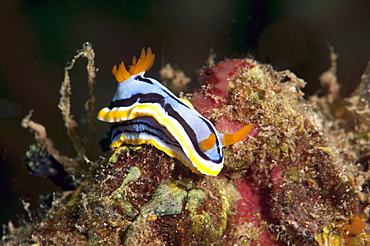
(141, 98)
(163, 89)
(191, 133)
(160, 99)
(142, 79)
(144, 124)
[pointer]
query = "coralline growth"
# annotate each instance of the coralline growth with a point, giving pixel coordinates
(301, 178)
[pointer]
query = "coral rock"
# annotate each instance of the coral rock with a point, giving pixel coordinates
(284, 185)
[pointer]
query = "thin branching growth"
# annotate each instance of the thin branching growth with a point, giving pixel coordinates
(329, 78)
(80, 144)
(41, 136)
(73, 166)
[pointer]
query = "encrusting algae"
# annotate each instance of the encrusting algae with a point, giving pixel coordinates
(293, 181)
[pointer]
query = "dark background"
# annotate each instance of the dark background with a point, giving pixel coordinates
(39, 37)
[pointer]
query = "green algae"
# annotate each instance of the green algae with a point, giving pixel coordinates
(195, 198)
(202, 219)
(119, 194)
(227, 193)
(133, 174)
(166, 200)
(114, 157)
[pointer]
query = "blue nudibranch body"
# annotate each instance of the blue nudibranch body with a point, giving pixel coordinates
(143, 111)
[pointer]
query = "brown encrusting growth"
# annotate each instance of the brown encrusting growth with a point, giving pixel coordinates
(301, 177)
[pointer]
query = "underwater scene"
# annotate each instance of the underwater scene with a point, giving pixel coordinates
(185, 122)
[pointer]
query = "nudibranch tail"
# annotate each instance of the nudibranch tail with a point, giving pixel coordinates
(238, 136)
(143, 64)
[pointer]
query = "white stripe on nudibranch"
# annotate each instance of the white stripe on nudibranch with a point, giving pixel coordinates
(143, 111)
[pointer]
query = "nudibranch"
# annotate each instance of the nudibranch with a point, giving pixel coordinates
(143, 111)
